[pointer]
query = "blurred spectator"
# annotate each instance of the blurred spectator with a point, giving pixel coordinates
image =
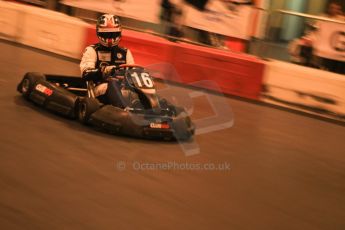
(333, 11)
(301, 49)
(202, 35)
(210, 38)
(171, 17)
(199, 4)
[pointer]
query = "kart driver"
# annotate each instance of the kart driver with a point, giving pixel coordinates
(100, 60)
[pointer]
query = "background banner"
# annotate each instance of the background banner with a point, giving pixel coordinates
(217, 16)
(221, 17)
(143, 10)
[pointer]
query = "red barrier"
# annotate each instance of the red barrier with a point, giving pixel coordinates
(235, 73)
(147, 49)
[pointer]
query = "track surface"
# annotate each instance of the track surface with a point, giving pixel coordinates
(287, 170)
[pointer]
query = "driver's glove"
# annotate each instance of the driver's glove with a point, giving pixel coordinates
(108, 71)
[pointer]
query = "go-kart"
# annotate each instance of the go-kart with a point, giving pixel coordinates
(143, 114)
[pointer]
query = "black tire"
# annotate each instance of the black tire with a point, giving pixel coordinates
(182, 133)
(86, 107)
(28, 83)
(176, 110)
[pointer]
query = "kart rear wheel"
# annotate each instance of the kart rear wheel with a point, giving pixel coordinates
(28, 83)
(86, 108)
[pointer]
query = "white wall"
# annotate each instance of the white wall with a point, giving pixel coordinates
(294, 84)
(43, 29)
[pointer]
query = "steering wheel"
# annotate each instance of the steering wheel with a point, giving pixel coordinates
(130, 66)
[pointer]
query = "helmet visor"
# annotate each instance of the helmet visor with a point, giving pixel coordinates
(109, 35)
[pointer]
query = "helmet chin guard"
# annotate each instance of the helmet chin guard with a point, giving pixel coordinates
(108, 30)
(109, 42)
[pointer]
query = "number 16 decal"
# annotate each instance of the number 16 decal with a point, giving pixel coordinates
(143, 80)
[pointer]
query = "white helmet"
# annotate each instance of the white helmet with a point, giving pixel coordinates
(108, 30)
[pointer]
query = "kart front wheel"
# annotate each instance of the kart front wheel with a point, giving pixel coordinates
(86, 107)
(28, 83)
